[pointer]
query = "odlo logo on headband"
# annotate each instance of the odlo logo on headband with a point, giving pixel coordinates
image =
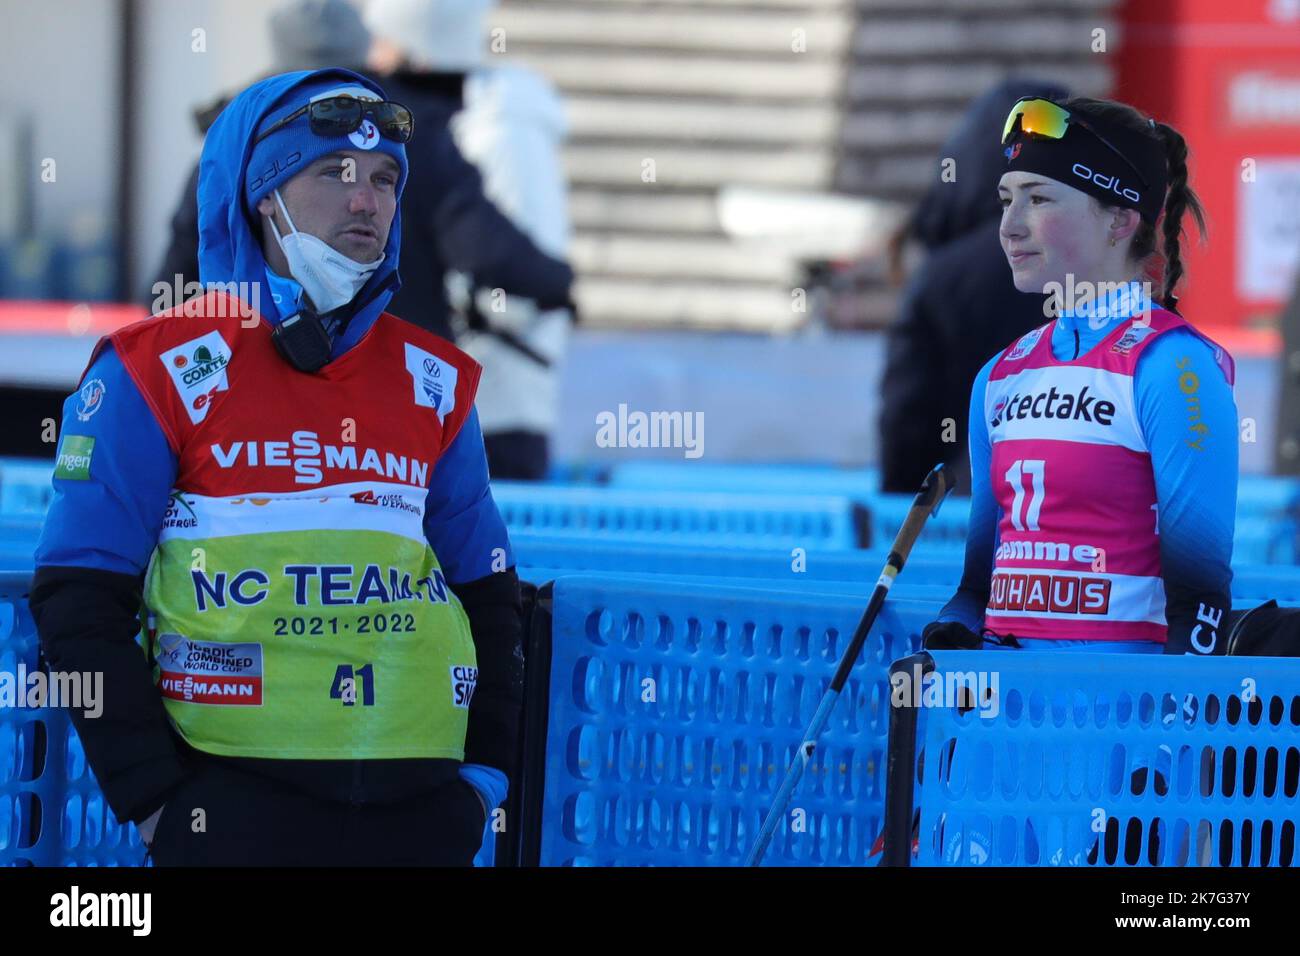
(1105, 182)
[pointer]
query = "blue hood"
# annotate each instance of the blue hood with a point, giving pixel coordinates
(230, 247)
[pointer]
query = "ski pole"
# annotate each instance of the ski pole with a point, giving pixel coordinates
(934, 489)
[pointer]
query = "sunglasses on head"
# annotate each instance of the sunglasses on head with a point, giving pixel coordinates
(1038, 117)
(340, 115)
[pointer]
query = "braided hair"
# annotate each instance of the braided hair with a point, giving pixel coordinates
(1180, 199)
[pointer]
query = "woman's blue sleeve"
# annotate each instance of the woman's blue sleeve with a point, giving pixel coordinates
(972, 597)
(1188, 417)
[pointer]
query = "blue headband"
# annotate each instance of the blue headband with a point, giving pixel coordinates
(292, 148)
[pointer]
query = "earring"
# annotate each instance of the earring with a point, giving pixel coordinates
(1112, 240)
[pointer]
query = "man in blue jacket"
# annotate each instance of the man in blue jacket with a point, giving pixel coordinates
(215, 467)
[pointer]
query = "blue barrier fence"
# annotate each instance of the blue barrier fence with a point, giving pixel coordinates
(859, 484)
(542, 557)
(739, 642)
(933, 594)
(1098, 759)
(786, 564)
(18, 537)
(1267, 529)
(52, 812)
(694, 518)
(681, 771)
(736, 505)
(1256, 493)
(26, 488)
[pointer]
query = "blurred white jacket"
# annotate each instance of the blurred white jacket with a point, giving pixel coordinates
(512, 127)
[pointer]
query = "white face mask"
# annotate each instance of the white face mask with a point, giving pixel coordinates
(329, 278)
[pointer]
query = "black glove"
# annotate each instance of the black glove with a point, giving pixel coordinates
(950, 636)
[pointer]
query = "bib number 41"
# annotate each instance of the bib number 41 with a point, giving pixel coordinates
(344, 687)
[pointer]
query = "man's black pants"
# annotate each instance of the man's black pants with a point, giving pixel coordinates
(250, 820)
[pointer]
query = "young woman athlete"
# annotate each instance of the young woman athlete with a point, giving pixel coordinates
(1103, 444)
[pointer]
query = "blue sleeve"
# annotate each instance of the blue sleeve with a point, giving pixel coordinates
(972, 597)
(461, 520)
(492, 785)
(112, 479)
(1188, 417)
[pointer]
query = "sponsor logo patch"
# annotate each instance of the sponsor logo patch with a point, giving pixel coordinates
(1130, 338)
(1080, 407)
(1025, 344)
(390, 500)
(311, 459)
(198, 372)
(74, 458)
(1110, 183)
(180, 513)
(366, 136)
(90, 399)
(209, 672)
(1049, 593)
(463, 681)
(434, 381)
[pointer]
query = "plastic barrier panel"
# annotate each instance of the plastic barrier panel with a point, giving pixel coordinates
(25, 486)
(675, 709)
(52, 812)
(542, 557)
(793, 565)
(860, 484)
(18, 538)
(1267, 506)
(697, 518)
(1091, 759)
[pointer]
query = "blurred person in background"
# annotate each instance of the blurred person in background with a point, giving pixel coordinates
(959, 308)
(510, 123)
(386, 738)
(305, 35)
(1287, 452)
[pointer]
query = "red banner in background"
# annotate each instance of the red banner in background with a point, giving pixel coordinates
(1227, 76)
(66, 318)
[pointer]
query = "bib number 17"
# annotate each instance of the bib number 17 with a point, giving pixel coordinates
(1033, 497)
